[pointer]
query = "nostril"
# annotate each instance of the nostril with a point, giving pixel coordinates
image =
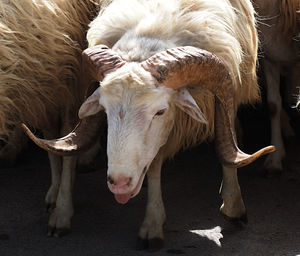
(129, 181)
(110, 180)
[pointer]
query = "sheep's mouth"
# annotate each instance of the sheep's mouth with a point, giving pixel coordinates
(124, 198)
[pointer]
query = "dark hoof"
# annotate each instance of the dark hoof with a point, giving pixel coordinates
(152, 245)
(141, 244)
(53, 232)
(50, 231)
(239, 222)
(155, 244)
(61, 232)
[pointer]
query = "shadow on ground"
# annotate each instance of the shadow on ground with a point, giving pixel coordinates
(194, 226)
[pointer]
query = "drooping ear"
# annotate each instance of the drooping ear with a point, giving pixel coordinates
(91, 106)
(184, 100)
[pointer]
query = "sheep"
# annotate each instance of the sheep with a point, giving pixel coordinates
(279, 27)
(40, 66)
(172, 75)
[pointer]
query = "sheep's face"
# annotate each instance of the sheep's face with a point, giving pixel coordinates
(140, 116)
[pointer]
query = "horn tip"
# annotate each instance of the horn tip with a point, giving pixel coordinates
(242, 159)
(26, 130)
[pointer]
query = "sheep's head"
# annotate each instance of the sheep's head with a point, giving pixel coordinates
(140, 115)
(140, 100)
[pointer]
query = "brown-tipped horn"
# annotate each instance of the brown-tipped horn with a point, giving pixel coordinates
(183, 66)
(225, 139)
(100, 60)
(78, 140)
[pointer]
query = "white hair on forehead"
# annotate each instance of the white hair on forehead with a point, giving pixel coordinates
(134, 91)
(216, 25)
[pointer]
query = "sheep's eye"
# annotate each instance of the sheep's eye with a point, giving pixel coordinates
(160, 112)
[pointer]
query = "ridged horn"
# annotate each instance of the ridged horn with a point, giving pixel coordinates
(97, 61)
(183, 66)
(100, 60)
(78, 140)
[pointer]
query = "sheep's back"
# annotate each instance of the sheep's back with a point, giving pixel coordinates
(41, 43)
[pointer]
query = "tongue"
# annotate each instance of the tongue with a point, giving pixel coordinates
(122, 199)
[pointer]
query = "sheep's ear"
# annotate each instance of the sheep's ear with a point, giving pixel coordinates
(91, 106)
(184, 100)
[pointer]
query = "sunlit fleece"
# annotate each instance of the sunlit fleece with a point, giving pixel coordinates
(213, 234)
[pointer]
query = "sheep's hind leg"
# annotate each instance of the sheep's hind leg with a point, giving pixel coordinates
(60, 218)
(273, 163)
(151, 232)
(233, 207)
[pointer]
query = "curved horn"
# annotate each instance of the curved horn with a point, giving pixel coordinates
(78, 140)
(97, 61)
(100, 60)
(183, 66)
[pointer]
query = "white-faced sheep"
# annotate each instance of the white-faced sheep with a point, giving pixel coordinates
(279, 31)
(172, 74)
(40, 82)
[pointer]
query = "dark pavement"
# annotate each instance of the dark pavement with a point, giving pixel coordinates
(191, 182)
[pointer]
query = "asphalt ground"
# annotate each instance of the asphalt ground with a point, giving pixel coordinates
(190, 182)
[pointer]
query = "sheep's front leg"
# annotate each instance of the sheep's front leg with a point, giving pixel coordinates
(273, 162)
(151, 231)
(60, 218)
(233, 207)
(56, 168)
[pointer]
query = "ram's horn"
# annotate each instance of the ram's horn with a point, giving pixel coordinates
(100, 60)
(183, 66)
(78, 140)
(97, 61)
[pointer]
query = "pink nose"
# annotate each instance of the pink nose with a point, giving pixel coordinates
(118, 181)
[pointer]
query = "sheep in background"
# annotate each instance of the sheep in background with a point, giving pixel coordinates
(172, 74)
(41, 83)
(279, 32)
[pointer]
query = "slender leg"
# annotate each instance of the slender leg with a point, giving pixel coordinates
(233, 206)
(273, 163)
(60, 219)
(62, 184)
(56, 166)
(292, 85)
(151, 231)
(56, 169)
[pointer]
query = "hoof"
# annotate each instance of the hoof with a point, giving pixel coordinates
(50, 231)
(155, 244)
(61, 232)
(57, 232)
(152, 245)
(237, 221)
(141, 244)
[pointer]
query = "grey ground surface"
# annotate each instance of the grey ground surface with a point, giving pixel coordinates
(191, 182)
